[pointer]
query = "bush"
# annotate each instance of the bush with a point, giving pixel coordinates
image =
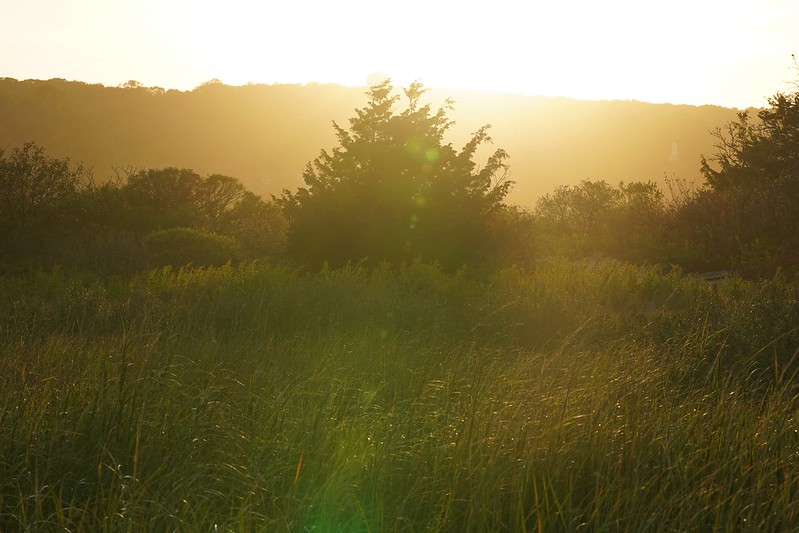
(178, 247)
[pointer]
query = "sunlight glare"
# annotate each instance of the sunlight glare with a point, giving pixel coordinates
(620, 49)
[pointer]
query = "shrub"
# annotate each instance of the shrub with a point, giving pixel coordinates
(178, 247)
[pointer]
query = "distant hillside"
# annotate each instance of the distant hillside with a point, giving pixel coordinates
(265, 134)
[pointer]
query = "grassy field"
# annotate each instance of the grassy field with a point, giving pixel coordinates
(572, 397)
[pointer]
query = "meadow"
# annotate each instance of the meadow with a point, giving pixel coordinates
(571, 396)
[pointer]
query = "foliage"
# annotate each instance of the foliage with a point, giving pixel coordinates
(392, 190)
(750, 216)
(177, 247)
(514, 238)
(161, 199)
(761, 155)
(172, 197)
(51, 214)
(603, 397)
(595, 217)
(37, 202)
(258, 131)
(258, 226)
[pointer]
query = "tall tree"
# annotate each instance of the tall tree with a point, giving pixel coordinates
(752, 204)
(393, 189)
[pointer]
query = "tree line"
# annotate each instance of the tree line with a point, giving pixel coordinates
(53, 214)
(745, 217)
(265, 134)
(393, 190)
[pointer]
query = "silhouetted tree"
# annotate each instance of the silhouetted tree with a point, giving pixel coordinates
(393, 190)
(216, 196)
(38, 209)
(259, 226)
(751, 210)
(580, 213)
(637, 225)
(759, 155)
(170, 198)
(164, 198)
(596, 217)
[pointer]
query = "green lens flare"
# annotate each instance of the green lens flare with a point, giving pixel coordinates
(413, 145)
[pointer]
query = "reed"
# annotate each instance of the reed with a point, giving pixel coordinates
(573, 396)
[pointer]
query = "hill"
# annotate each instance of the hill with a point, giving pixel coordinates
(265, 134)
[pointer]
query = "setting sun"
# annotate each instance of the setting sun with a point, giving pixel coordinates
(682, 51)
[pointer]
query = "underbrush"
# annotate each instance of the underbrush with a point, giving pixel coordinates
(573, 396)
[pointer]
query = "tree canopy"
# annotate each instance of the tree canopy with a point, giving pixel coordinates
(595, 217)
(37, 200)
(53, 214)
(762, 154)
(393, 189)
(749, 213)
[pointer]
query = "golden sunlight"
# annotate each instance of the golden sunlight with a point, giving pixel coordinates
(681, 51)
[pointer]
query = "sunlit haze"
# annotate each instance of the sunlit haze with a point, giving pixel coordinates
(732, 53)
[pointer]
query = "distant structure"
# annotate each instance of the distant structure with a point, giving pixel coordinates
(376, 78)
(674, 153)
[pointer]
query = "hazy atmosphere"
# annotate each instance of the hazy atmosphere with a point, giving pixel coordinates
(733, 54)
(424, 266)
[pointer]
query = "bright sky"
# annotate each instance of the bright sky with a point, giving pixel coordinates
(728, 52)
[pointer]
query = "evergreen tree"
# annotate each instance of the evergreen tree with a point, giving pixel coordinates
(393, 189)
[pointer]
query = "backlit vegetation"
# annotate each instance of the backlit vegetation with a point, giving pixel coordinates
(605, 397)
(178, 354)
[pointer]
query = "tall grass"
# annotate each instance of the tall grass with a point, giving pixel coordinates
(597, 397)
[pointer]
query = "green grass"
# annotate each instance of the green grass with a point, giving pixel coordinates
(567, 398)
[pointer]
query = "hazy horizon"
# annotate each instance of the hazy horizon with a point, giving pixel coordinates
(437, 91)
(265, 135)
(714, 53)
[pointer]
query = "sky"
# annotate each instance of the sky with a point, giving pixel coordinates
(733, 53)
